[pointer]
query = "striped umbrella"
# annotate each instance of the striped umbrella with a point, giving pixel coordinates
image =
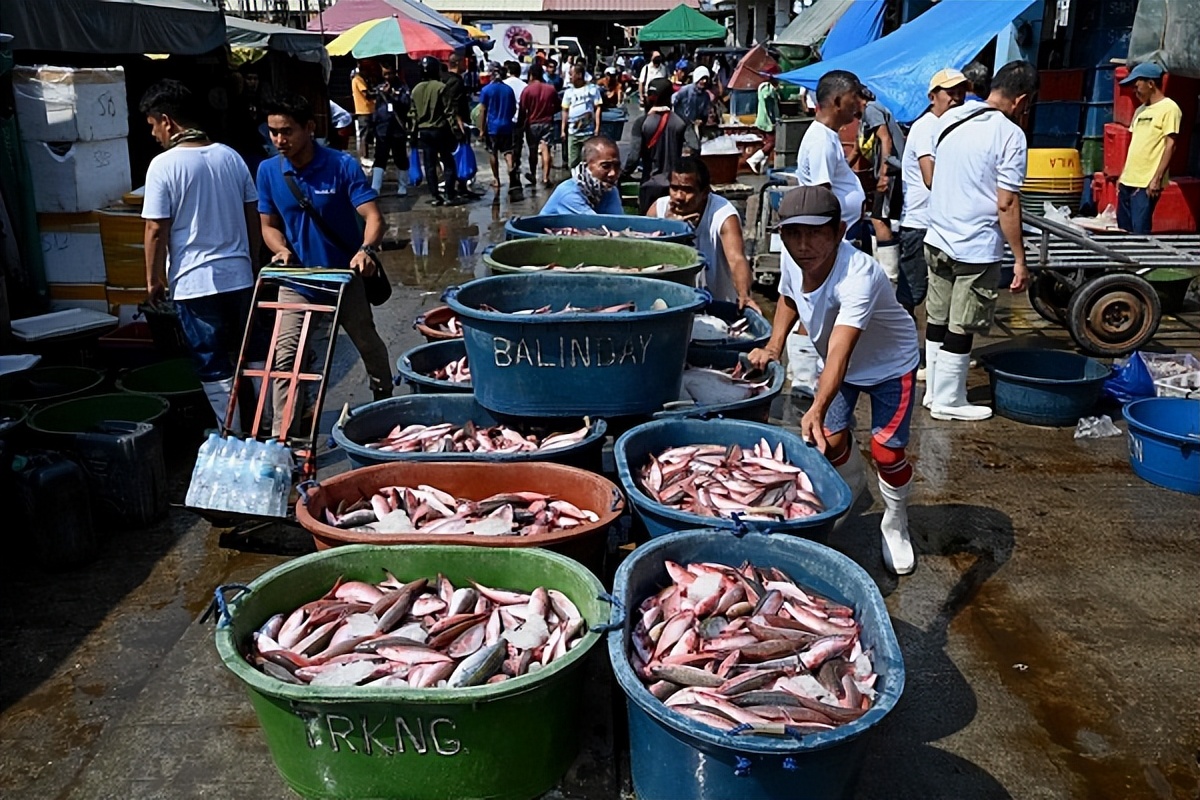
(393, 36)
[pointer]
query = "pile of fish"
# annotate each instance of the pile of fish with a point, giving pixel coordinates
(604, 230)
(657, 305)
(421, 635)
(707, 328)
(706, 387)
(747, 650)
(713, 480)
(426, 509)
(450, 326)
(457, 371)
(470, 438)
(592, 268)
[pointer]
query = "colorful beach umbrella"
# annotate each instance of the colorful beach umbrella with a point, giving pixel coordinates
(393, 36)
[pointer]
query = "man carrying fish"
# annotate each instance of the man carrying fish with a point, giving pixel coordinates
(868, 343)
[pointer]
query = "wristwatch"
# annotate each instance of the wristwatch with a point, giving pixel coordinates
(369, 249)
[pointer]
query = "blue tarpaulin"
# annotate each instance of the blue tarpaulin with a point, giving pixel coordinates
(861, 24)
(897, 68)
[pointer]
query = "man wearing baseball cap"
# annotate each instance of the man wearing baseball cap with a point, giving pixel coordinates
(867, 343)
(1155, 128)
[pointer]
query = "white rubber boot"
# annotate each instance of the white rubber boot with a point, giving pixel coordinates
(932, 350)
(755, 162)
(402, 187)
(217, 393)
(898, 555)
(950, 390)
(377, 179)
(888, 255)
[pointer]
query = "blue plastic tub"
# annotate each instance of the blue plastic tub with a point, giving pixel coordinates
(673, 230)
(759, 326)
(673, 757)
(681, 263)
(1102, 88)
(755, 409)
(372, 421)
(634, 448)
(416, 365)
(1057, 118)
(1164, 442)
(576, 364)
(1045, 387)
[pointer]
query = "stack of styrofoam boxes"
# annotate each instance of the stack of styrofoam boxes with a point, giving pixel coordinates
(75, 125)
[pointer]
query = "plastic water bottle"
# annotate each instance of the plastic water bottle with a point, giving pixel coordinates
(199, 488)
(284, 467)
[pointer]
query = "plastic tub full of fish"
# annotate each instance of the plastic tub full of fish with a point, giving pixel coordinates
(723, 326)
(436, 368)
(453, 427)
(752, 666)
(729, 474)
(609, 226)
(548, 345)
(582, 256)
(484, 504)
(438, 324)
(380, 672)
(721, 383)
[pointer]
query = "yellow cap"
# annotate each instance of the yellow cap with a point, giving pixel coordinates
(946, 79)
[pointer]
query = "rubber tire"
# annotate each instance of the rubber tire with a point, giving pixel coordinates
(1114, 292)
(1044, 290)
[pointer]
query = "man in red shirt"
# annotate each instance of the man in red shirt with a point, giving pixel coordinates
(536, 110)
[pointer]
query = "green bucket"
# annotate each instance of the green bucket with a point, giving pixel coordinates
(43, 385)
(85, 413)
(513, 740)
(509, 257)
(173, 378)
(1171, 284)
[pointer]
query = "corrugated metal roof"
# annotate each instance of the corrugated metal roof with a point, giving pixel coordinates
(647, 6)
(487, 6)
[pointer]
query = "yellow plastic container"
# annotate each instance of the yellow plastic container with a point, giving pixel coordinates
(1055, 162)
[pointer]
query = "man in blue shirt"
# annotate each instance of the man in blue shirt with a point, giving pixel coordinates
(336, 189)
(499, 103)
(592, 187)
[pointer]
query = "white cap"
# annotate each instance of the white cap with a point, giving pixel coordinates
(610, 71)
(700, 73)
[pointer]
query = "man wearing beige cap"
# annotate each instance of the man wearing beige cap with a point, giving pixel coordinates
(867, 343)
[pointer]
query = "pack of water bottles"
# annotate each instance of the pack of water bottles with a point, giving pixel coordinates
(242, 475)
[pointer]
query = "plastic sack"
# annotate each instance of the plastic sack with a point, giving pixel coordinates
(1096, 428)
(1130, 381)
(464, 162)
(415, 176)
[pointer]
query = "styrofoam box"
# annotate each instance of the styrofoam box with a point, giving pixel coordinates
(71, 248)
(91, 296)
(79, 176)
(61, 104)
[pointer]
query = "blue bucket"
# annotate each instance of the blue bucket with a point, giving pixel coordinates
(759, 326)
(634, 448)
(673, 757)
(1045, 387)
(576, 364)
(416, 365)
(755, 409)
(372, 422)
(1164, 442)
(672, 230)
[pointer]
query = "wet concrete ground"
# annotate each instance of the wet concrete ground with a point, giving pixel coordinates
(1049, 633)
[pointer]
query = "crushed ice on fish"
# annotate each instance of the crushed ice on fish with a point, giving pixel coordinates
(707, 328)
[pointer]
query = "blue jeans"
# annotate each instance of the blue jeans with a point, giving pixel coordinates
(213, 326)
(1135, 208)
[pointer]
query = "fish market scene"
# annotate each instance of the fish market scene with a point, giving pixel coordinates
(600, 399)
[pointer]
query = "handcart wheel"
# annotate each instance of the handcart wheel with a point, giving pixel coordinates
(1113, 315)
(1049, 297)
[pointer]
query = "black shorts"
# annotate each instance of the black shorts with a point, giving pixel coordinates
(538, 132)
(889, 204)
(499, 142)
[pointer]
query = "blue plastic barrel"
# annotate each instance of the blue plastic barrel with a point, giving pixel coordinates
(759, 326)
(755, 409)
(575, 364)
(634, 448)
(1164, 442)
(1096, 116)
(671, 230)
(674, 757)
(415, 367)
(1044, 387)
(372, 422)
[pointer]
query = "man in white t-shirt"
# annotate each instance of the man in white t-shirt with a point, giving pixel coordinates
(974, 206)
(202, 236)
(821, 160)
(867, 343)
(654, 68)
(727, 274)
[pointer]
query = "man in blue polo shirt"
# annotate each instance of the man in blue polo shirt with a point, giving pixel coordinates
(499, 103)
(335, 186)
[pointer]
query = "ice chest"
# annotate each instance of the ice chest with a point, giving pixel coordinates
(62, 104)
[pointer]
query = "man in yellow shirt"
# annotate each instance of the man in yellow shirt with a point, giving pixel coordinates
(362, 85)
(1155, 128)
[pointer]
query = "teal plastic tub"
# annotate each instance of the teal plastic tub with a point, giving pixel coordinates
(1164, 442)
(416, 365)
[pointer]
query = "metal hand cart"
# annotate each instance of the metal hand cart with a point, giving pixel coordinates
(1094, 284)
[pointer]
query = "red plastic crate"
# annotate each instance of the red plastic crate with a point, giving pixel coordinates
(1178, 208)
(1061, 84)
(1104, 192)
(1116, 148)
(1125, 101)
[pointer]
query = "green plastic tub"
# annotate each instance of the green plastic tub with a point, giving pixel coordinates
(175, 381)
(85, 413)
(569, 251)
(1171, 285)
(42, 385)
(509, 740)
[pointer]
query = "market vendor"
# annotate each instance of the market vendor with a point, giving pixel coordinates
(718, 229)
(592, 187)
(867, 343)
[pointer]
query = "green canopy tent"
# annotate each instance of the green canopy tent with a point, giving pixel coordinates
(681, 24)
